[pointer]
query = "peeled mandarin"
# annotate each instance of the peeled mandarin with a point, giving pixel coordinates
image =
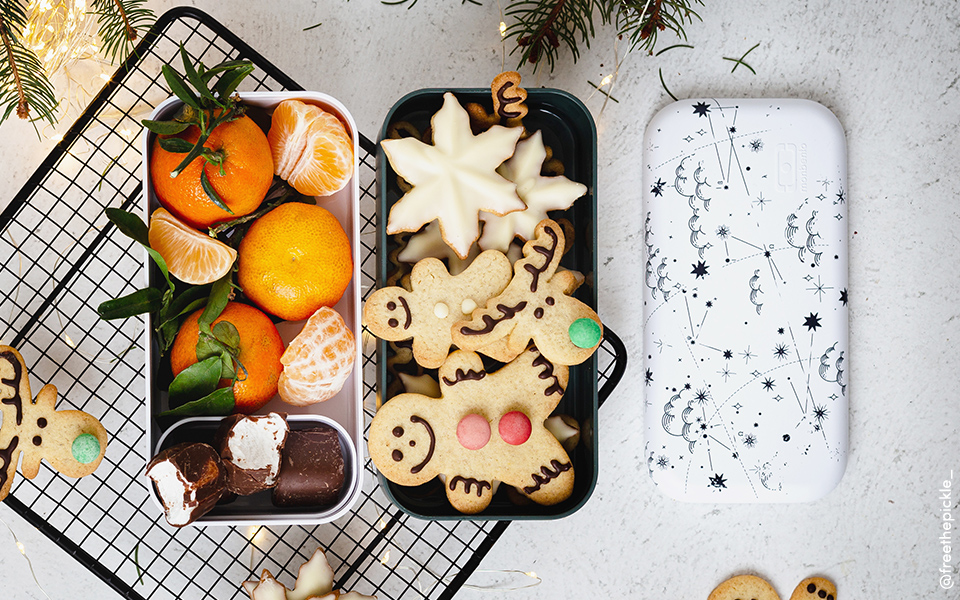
(191, 256)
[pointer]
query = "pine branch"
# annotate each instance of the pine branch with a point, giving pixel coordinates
(23, 83)
(543, 25)
(641, 20)
(118, 22)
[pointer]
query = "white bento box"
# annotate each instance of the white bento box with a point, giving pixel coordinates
(345, 410)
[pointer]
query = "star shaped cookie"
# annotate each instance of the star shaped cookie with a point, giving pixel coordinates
(539, 193)
(455, 178)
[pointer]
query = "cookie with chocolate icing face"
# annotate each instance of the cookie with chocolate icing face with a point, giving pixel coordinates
(485, 428)
(436, 300)
(536, 306)
(72, 441)
(815, 588)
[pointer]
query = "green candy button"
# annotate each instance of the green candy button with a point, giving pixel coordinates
(585, 333)
(86, 448)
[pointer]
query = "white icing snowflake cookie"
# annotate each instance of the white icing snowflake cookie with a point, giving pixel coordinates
(455, 178)
(539, 193)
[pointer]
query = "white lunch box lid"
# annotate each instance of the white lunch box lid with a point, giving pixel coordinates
(745, 304)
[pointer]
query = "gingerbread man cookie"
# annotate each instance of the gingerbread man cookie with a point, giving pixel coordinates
(485, 428)
(537, 306)
(815, 588)
(72, 441)
(436, 300)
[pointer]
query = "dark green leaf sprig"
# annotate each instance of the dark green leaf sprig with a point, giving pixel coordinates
(207, 105)
(165, 303)
(194, 391)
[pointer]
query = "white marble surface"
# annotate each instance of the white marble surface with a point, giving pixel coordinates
(890, 72)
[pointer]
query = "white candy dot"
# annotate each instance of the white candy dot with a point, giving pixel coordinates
(468, 306)
(441, 310)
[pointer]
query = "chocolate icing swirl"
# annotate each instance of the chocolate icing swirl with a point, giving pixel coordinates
(470, 375)
(548, 475)
(547, 373)
(548, 252)
(489, 322)
(505, 101)
(16, 401)
(6, 458)
(469, 483)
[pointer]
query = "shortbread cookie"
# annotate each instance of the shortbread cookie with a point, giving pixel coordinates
(72, 441)
(485, 427)
(436, 301)
(744, 587)
(540, 194)
(815, 588)
(428, 243)
(454, 178)
(314, 582)
(536, 305)
(509, 98)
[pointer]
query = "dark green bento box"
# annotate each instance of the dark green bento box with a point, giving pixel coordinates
(568, 129)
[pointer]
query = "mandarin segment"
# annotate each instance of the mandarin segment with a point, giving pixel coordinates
(312, 150)
(295, 259)
(247, 174)
(191, 256)
(318, 362)
(260, 351)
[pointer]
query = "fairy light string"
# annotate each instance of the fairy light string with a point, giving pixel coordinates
(23, 552)
(386, 556)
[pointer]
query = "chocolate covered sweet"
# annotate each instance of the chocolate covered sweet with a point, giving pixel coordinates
(250, 448)
(190, 479)
(312, 473)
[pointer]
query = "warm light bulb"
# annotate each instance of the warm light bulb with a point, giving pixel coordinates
(385, 558)
(606, 80)
(503, 29)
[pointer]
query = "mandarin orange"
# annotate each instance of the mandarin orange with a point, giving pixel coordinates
(295, 259)
(247, 174)
(311, 148)
(260, 352)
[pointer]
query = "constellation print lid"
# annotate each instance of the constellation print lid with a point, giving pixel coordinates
(745, 302)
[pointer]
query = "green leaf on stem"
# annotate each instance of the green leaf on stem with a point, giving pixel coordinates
(197, 150)
(195, 382)
(129, 224)
(194, 78)
(175, 145)
(230, 80)
(212, 193)
(217, 403)
(226, 332)
(165, 127)
(179, 88)
(139, 302)
(219, 296)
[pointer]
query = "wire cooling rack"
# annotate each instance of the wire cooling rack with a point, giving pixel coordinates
(60, 257)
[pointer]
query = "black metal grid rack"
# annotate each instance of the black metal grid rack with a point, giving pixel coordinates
(61, 258)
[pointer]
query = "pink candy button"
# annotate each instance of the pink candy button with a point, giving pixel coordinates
(514, 428)
(473, 432)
